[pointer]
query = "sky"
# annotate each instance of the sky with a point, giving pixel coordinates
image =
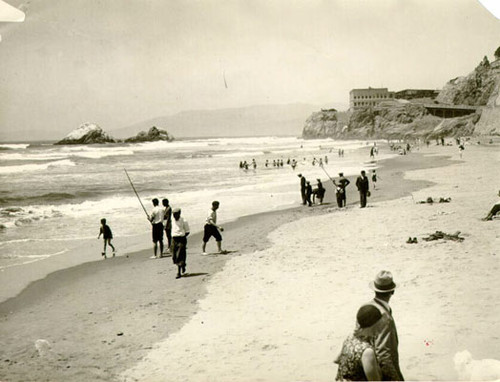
(116, 63)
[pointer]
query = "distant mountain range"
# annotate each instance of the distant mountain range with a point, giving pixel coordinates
(261, 120)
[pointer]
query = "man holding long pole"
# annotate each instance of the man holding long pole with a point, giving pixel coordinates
(156, 219)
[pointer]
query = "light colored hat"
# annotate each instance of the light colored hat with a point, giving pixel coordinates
(383, 282)
(176, 209)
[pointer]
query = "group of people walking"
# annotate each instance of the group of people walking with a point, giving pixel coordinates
(177, 230)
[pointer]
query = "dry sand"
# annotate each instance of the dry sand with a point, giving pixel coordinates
(280, 307)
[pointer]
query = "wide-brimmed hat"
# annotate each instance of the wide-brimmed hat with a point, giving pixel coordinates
(299, 174)
(176, 209)
(383, 282)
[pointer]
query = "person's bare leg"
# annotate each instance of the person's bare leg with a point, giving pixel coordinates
(219, 246)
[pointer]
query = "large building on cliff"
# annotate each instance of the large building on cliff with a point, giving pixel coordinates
(360, 98)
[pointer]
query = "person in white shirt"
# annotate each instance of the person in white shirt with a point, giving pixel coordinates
(180, 232)
(212, 229)
(156, 219)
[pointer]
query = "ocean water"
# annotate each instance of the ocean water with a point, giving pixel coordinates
(53, 197)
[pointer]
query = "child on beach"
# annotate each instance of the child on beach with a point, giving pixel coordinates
(107, 236)
(374, 179)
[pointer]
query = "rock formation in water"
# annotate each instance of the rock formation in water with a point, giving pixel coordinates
(87, 133)
(154, 134)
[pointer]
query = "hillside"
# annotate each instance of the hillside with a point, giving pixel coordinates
(279, 120)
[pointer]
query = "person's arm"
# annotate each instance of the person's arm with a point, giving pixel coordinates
(384, 343)
(100, 233)
(186, 228)
(370, 365)
(347, 182)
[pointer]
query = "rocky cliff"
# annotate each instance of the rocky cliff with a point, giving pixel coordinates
(154, 134)
(87, 133)
(406, 119)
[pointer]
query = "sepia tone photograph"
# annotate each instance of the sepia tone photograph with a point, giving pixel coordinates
(249, 191)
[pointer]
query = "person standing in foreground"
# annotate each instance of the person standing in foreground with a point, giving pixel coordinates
(156, 219)
(357, 360)
(167, 222)
(107, 235)
(212, 229)
(363, 187)
(180, 232)
(302, 188)
(386, 336)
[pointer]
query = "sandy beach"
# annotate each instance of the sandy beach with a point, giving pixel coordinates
(279, 307)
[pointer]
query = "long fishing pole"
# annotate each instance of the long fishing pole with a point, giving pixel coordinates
(136, 194)
(333, 181)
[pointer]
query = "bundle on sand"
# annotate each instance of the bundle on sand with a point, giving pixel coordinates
(429, 200)
(441, 235)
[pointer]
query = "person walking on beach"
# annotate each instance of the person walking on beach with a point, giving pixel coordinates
(302, 188)
(167, 222)
(357, 360)
(386, 336)
(156, 219)
(107, 235)
(212, 229)
(341, 194)
(180, 232)
(363, 187)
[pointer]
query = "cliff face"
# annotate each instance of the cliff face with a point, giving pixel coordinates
(154, 134)
(474, 89)
(480, 88)
(324, 124)
(87, 133)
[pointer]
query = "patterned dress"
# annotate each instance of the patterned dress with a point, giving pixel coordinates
(349, 360)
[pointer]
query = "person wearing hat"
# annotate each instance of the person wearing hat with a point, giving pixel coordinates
(386, 336)
(357, 360)
(363, 188)
(180, 232)
(302, 188)
(341, 185)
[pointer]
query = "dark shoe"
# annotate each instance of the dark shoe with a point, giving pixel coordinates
(183, 269)
(414, 241)
(178, 276)
(409, 241)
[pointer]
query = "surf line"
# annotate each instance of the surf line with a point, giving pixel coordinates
(136, 194)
